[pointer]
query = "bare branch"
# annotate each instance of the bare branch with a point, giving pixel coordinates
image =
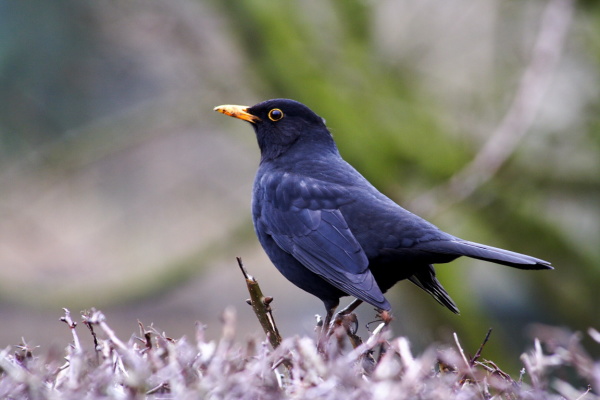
(478, 354)
(261, 306)
(72, 324)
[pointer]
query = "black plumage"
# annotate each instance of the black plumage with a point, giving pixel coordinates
(328, 230)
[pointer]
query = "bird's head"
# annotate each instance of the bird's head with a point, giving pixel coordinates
(283, 125)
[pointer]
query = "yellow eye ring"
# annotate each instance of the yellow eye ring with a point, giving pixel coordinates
(275, 114)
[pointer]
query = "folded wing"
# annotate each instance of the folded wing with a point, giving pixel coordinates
(307, 224)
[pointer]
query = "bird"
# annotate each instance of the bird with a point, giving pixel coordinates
(329, 231)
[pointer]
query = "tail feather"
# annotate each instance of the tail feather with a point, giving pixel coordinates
(426, 280)
(486, 253)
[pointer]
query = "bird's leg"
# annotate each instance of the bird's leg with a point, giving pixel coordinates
(345, 319)
(325, 328)
(327, 321)
(348, 309)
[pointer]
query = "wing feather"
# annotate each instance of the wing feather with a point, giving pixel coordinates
(319, 237)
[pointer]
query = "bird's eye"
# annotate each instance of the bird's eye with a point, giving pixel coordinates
(275, 114)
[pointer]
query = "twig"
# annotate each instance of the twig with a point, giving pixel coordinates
(72, 324)
(84, 319)
(519, 118)
(468, 365)
(147, 340)
(462, 352)
(160, 388)
(478, 354)
(589, 389)
(96, 317)
(594, 334)
(261, 306)
(492, 368)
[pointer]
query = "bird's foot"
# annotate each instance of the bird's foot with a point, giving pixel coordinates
(345, 319)
(385, 316)
(380, 333)
(341, 324)
(350, 324)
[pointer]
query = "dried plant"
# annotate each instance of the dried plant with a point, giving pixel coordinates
(152, 365)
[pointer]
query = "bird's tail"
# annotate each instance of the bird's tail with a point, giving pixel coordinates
(487, 253)
(426, 280)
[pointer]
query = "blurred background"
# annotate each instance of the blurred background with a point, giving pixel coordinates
(121, 189)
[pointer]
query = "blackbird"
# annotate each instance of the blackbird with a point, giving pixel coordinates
(329, 231)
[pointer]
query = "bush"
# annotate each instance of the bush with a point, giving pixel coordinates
(152, 365)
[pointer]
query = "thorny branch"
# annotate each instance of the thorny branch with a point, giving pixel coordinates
(261, 306)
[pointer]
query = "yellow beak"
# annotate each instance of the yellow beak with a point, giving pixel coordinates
(240, 112)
